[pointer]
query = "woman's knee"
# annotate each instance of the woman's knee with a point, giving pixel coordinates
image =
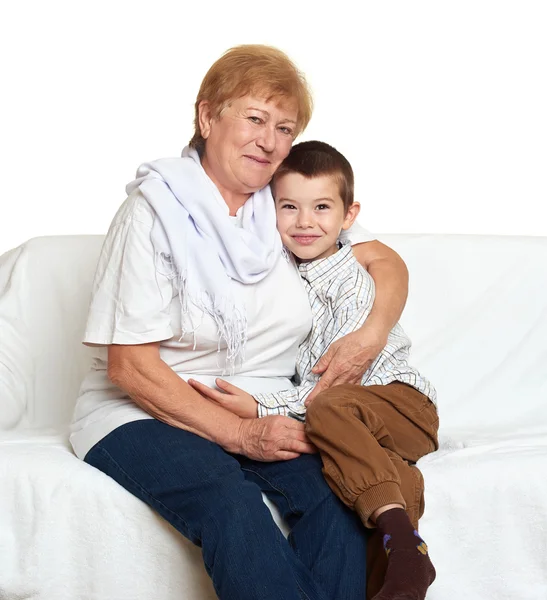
(228, 508)
(236, 514)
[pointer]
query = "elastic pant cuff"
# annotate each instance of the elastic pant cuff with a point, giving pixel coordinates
(375, 497)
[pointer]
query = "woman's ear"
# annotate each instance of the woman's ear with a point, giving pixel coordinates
(351, 215)
(204, 117)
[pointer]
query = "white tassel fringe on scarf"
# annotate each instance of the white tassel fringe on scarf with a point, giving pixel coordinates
(194, 234)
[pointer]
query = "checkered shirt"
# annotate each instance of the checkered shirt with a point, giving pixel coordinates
(341, 294)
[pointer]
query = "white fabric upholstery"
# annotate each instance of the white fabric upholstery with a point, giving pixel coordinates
(477, 315)
(45, 287)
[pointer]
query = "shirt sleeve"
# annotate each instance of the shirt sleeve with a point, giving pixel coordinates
(287, 402)
(356, 235)
(130, 299)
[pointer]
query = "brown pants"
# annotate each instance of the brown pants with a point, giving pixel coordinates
(369, 438)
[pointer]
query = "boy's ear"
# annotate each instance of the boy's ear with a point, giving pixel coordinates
(351, 215)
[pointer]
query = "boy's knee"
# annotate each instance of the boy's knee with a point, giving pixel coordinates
(320, 404)
(340, 395)
(330, 403)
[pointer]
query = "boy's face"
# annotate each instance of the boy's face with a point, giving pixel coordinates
(310, 214)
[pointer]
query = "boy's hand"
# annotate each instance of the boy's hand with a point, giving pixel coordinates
(347, 359)
(231, 398)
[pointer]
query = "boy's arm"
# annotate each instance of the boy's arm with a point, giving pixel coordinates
(286, 401)
(294, 401)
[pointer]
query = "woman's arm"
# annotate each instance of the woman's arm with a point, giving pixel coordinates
(390, 276)
(350, 357)
(140, 372)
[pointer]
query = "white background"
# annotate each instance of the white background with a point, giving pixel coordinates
(441, 106)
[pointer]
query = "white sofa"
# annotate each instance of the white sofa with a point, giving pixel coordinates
(477, 314)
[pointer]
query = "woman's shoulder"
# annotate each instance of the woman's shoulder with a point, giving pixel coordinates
(130, 230)
(135, 208)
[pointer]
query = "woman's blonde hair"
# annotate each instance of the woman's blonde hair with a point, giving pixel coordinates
(263, 71)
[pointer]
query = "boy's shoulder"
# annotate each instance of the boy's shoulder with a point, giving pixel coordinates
(355, 278)
(349, 264)
(348, 283)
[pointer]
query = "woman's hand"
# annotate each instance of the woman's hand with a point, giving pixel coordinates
(267, 439)
(273, 438)
(231, 398)
(348, 359)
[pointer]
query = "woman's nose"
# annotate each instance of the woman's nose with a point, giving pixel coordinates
(267, 139)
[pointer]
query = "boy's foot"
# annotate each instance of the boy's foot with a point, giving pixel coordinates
(409, 569)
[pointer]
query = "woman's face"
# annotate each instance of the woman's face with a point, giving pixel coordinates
(246, 144)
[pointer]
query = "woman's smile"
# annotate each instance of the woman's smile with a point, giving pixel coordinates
(258, 160)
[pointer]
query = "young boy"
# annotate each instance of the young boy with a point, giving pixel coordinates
(369, 436)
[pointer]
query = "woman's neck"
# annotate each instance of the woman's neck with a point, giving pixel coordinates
(234, 203)
(234, 200)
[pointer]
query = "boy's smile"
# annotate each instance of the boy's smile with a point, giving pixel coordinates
(305, 240)
(310, 214)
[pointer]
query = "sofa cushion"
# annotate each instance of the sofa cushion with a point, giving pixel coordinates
(67, 531)
(477, 316)
(486, 518)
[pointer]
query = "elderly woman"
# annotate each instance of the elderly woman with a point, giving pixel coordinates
(192, 283)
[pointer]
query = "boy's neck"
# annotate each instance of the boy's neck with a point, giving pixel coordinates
(330, 252)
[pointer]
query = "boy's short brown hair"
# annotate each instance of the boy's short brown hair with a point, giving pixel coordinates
(314, 159)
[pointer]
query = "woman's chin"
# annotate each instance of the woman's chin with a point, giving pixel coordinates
(254, 182)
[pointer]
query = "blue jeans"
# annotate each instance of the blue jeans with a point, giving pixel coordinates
(214, 499)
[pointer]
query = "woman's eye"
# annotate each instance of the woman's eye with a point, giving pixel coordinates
(256, 120)
(286, 130)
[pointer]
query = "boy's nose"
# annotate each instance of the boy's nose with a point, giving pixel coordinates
(304, 220)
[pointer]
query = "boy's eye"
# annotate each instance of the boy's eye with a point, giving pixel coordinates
(288, 206)
(322, 206)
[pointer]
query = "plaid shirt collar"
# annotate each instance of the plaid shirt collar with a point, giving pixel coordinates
(319, 272)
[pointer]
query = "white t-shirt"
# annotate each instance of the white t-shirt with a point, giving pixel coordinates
(133, 303)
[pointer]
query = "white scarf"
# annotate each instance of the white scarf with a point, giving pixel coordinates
(195, 238)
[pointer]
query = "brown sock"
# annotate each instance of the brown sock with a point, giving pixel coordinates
(409, 569)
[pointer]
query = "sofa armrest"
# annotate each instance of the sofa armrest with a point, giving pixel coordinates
(15, 374)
